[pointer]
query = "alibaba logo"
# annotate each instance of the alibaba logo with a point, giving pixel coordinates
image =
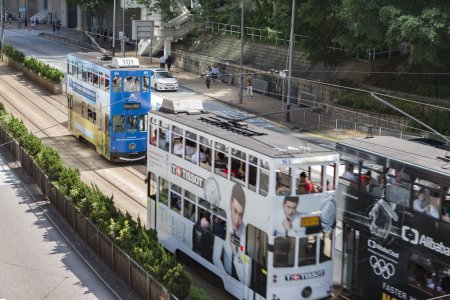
(410, 235)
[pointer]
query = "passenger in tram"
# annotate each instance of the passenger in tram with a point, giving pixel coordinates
(221, 162)
(287, 221)
(178, 146)
(348, 174)
(378, 190)
(421, 204)
(219, 227)
(190, 148)
(368, 182)
(304, 185)
(154, 138)
(204, 220)
(198, 156)
(234, 168)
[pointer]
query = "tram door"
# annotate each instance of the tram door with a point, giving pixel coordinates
(350, 260)
(70, 106)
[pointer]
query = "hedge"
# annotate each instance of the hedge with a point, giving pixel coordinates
(137, 241)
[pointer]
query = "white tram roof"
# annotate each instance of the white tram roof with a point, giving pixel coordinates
(114, 64)
(271, 144)
(403, 151)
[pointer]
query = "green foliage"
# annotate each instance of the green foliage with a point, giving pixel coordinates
(50, 162)
(44, 70)
(141, 244)
(196, 293)
(13, 53)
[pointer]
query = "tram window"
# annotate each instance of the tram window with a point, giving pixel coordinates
(84, 75)
(203, 203)
(132, 84)
(191, 150)
(307, 251)
(90, 78)
(371, 179)
(146, 83)
(102, 83)
(117, 84)
(220, 163)
(398, 187)
(256, 245)
(219, 225)
(69, 68)
(153, 136)
(446, 205)
(164, 136)
(330, 177)
(283, 181)
(325, 246)
(426, 199)
(143, 122)
(284, 252)
(304, 182)
(106, 85)
(175, 198)
(151, 181)
(263, 178)
(206, 149)
(95, 79)
(252, 171)
(177, 144)
(118, 123)
(163, 191)
(189, 210)
(132, 123)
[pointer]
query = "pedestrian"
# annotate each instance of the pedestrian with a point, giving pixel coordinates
(249, 81)
(215, 72)
(58, 25)
(162, 62)
(208, 75)
(169, 61)
(33, 25)
(105, 35)
(53, 26)
(26, 22)
(19, 21)
(9, 18)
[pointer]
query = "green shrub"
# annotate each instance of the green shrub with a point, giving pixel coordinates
(32, 144)
(13, 53)
(196, 293)
(44, 70)
(50, 162)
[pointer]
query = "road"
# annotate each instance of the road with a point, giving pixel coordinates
(36, 262)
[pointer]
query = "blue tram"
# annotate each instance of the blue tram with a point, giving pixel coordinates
(108, 102)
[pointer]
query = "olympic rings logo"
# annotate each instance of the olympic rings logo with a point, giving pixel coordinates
(381, 267)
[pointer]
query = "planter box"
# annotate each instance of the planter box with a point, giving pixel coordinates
(12, 64)
(54, 88)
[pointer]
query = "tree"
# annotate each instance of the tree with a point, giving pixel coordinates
(92, 8)
(168, 9)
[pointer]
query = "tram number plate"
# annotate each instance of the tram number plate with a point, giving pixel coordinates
(310, 221)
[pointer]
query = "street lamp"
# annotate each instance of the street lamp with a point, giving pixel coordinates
(241, 91)
(113, 47)
(291, 50)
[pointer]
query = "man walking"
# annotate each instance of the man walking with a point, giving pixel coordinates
(249, 81)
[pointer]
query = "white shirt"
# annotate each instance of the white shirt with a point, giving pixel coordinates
(195, 157)
(428, 209)
(350, 176)
(178, 149)
(278, 228)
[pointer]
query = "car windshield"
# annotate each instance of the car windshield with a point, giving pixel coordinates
(163, 75)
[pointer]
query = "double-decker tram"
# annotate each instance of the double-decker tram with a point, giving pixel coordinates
(108, 103)
(393, 206)
(253, 206)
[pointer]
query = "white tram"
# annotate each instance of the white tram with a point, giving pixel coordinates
(235, 198)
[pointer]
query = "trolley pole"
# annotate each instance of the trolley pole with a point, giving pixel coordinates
(291, 50)
(113, 47)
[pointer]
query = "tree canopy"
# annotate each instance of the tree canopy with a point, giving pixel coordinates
(353, 25)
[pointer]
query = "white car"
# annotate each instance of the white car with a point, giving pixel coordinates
(163, 80)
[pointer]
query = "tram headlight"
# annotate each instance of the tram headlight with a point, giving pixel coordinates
(132, 146)
(307, 291)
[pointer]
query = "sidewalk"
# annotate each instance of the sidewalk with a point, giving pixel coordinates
(259, 104)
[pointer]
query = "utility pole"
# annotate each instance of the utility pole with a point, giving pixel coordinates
(123, 29)
(291, 50)
(241, 89)
(113, 47)
(2, 23)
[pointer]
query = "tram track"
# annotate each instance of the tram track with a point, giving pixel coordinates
(93, 168)
(57, 136)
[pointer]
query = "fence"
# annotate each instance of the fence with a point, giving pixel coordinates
(122, 264)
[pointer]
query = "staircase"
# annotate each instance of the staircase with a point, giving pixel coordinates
(177, 28)
(41, 17)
